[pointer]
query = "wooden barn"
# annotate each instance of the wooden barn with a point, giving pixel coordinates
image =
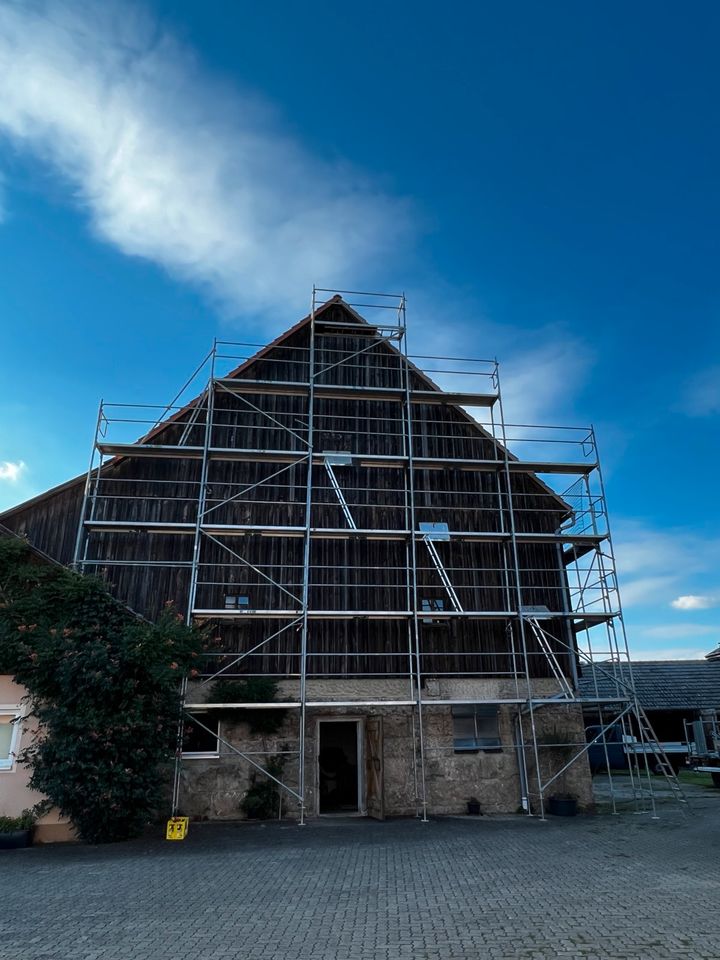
(394, 597)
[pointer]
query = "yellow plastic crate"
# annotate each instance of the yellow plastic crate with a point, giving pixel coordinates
(177, 828)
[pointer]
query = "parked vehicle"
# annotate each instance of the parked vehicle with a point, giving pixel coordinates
(616, 756)
(620, 746)
(704, 739)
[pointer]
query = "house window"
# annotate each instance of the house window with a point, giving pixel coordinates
(431, 605)
(475, 728)
(10, 730)
(199, 742)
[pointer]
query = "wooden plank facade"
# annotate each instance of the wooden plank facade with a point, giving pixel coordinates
(265, 488)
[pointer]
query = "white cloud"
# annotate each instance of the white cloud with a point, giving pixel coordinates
(204, 182)
(641, 590)
(540, 370)
(11, 471)
(536, 382)
(702, 394)
(655, 565)
(694, 602)
(171, 168)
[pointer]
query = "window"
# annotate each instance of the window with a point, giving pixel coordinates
(435, 530)
(198, 742)
(429, 605)
(236, 603)
(475, 728)
(10, 729)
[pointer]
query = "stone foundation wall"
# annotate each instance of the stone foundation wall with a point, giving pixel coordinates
(213, 788)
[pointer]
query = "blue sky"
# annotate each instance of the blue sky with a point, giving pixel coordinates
(542, 181)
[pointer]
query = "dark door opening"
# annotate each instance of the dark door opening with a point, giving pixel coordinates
(338, 766)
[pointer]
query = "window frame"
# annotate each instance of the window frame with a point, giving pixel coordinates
(478, 743)
(16, 712)
(239, 601)
(430, 605)
(203, 754)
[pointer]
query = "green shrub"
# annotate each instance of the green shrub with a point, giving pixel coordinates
(26, 821)
(251, 690)
(263, 800)
(104, 686)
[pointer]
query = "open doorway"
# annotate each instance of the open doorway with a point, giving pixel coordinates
(339, 768)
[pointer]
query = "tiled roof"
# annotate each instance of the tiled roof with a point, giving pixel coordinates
(662, 684)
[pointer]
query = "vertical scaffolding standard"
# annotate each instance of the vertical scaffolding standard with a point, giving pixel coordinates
(242, 466)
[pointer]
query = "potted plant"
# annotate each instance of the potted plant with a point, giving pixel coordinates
(17, 831)
(473, 807)
(562, 805)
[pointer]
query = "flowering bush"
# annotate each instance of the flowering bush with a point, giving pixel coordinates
(104, 686)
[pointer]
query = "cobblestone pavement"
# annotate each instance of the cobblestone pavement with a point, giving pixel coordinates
(589, 888)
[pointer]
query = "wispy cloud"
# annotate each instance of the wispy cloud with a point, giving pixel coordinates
(205, 182)
(538, 381)
(170, 167)
(541, 370)
(701, 397)
(680, 631)
(641, 590)
(694, 602)
(654, 566)
(11, 472)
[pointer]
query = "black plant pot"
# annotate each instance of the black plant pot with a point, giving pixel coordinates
(15, 839)
(562, 806)
(473, 808)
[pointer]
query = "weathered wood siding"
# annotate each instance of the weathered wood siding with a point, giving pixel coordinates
(345, 574)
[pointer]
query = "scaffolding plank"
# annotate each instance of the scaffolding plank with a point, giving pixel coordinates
(139, 526)
(580, 547)
(359, 459)
(548, 466)
(222, 614)
(276, 613)
(582, 542)
(297, 388)
(455, 397)
(586, 621)
(150, 450)
(294, 704)
(288, 388)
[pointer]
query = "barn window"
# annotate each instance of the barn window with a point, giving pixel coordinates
(236, 603)
(434, 530)
(199, 742)
(431, 605)
(475, 728)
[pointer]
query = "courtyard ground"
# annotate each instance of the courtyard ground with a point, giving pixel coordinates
(588, 888)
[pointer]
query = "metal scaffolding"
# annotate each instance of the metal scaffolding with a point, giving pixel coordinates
(207, 513)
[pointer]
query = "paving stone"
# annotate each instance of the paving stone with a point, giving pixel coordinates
(602, 888)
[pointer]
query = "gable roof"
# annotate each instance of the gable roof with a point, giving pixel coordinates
(662, 684)
(356, 318)
(39, 555)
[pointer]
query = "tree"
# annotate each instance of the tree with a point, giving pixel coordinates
(104, 686)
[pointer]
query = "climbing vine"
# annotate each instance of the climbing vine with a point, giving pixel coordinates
(103, 686)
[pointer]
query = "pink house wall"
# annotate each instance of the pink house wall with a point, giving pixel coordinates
(15, 794)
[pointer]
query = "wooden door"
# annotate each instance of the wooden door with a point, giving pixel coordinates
(374, 772)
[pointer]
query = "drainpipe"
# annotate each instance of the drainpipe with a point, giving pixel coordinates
(520, 751)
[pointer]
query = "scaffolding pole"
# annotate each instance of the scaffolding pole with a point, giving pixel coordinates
(233, 433)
